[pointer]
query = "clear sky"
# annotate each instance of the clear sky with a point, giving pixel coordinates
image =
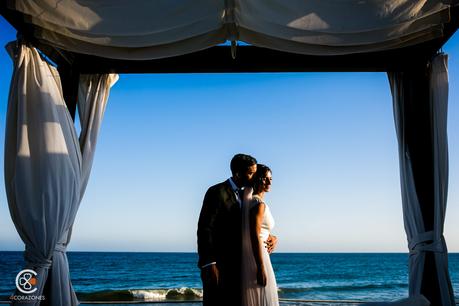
(329, 138)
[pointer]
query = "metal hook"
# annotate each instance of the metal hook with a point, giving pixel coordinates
(233, 49)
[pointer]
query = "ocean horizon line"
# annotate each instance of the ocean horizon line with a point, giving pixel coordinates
(194, 252)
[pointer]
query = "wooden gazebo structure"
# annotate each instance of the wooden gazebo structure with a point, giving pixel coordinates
(413, 61)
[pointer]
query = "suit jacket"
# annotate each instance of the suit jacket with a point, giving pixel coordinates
(219, 233)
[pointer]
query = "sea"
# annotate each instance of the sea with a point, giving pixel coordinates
(117, 276)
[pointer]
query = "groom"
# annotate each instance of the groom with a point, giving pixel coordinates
(219, 235)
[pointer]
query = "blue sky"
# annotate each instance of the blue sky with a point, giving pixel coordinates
(329, 138)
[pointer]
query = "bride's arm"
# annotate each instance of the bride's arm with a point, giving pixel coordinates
(256, 218)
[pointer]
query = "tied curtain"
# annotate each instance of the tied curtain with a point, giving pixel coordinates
(420, 100)
(164, 28)
(47, 166)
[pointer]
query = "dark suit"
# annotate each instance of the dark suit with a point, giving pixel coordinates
(219, 240)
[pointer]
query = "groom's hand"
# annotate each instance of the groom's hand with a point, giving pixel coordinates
(211, 274)
(271, 243)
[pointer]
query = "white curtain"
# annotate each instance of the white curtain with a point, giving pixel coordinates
(46, 168)
(421, 240)
(93, 93)
(320, 27)
(142, 29)
(164, 28)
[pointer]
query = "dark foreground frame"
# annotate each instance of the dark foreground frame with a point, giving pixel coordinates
(411, 60)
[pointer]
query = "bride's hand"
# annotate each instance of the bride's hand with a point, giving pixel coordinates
(261, 277)
(271, 243)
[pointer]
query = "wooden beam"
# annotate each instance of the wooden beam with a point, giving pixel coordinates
(254, 59)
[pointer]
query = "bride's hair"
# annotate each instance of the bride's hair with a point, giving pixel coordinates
(262, 170)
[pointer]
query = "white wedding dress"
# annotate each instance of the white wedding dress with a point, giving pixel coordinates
(252, 293)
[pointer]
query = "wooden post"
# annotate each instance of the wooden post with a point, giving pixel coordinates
(70, 78)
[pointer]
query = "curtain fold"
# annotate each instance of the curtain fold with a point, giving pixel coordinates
(423, 156)
(439, 109)
(156, 29)
(319, 27)
(44, 177)
(93, 93)
(165, 28)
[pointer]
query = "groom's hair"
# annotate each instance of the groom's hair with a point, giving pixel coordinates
(241, 162)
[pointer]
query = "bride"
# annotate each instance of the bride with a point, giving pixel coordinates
(259, 286)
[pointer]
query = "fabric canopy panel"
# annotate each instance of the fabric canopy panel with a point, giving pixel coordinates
(165, 28)
(420, 102)
(46, 167)
(125, 29)
(320, 27)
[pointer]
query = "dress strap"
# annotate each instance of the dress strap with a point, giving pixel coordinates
(258, 199)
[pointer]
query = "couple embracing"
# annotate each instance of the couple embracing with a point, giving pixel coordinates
(234, 238)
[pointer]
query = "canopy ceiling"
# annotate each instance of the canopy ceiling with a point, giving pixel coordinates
(109, 34)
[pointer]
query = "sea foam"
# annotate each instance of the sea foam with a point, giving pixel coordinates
(183, 293)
